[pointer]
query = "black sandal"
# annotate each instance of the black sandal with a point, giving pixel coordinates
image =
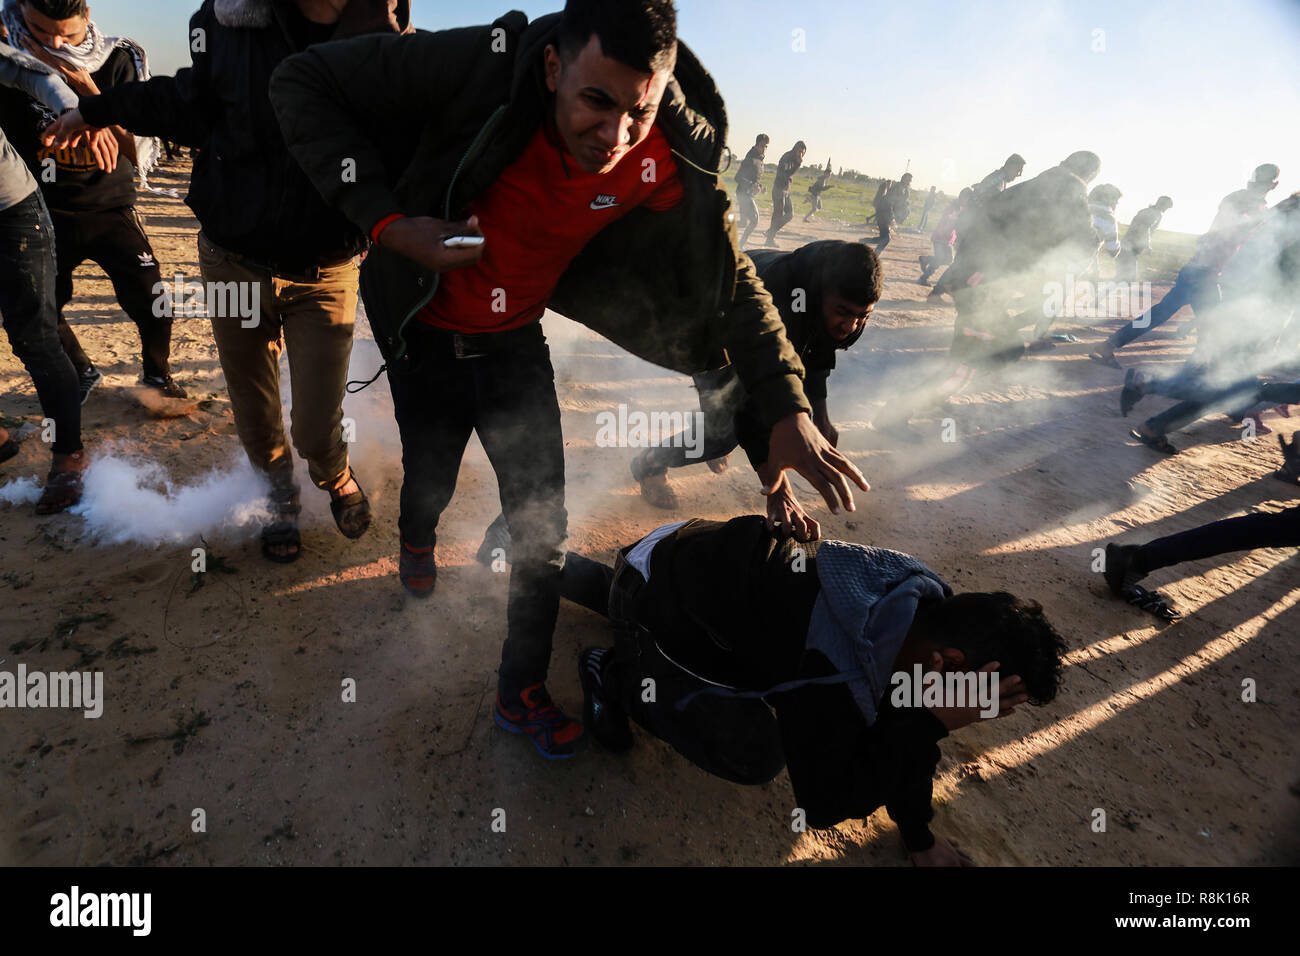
(1153, 602)
(1102, 360)
(1159, 442)
(351, 511)
(1131, 393)
(283, 532)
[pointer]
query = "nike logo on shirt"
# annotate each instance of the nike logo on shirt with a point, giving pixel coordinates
(604, 202)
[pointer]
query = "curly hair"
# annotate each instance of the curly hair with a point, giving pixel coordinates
(998, 627)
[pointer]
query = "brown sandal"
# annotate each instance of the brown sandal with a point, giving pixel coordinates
(64, 485)
(351, 512)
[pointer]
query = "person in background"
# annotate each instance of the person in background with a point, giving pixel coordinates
(925, 209)
(748, 186)
(1137, 238)
(892, 210)
(782, 208)
(1197, 281)
(816, 189)
(1102, 201)
(944, 237)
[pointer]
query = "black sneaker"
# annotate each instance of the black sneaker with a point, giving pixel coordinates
(1121, 574)
(166, 385)
(86, 380)
(496, 536)
(606, 722)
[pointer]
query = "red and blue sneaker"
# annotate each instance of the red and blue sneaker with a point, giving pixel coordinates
(555, 735)
(418, 569)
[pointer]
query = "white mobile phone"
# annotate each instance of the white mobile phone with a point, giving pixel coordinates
(462, 242)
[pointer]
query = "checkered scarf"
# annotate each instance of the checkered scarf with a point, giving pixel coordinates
(89, 55)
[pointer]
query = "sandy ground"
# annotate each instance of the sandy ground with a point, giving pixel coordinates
(228, 699)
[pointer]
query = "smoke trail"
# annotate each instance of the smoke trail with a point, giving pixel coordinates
(20, 491)
(129, 500)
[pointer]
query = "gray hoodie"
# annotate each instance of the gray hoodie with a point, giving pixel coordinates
(26, 73)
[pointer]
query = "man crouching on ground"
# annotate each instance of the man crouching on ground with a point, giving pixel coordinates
(748, 653)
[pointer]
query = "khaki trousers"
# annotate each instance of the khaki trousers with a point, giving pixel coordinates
(313, 321)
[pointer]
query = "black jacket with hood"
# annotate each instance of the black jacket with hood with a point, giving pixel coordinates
(248, 193)
(671, 287)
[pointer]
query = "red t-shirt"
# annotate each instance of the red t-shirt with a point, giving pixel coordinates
(537, 217)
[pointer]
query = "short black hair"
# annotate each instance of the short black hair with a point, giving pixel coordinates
(641, 34)
(58, 9)
(852, 269)
(997, 627)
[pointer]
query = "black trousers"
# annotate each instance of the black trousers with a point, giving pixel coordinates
(29, 318)
(1199, 400)
(502, 386)
(721, 397)
(730, 737)
(116, 240)
(1245, 533)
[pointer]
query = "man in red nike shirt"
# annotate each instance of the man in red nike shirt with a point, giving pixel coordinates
(558, 143)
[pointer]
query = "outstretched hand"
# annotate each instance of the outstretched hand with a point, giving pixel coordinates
(797, 443)
(785, 515)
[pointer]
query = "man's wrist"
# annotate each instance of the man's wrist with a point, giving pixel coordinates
(383, 224)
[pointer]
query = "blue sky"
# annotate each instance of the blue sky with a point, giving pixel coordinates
(1182, 97)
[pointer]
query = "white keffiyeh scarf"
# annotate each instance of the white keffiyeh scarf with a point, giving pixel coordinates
(89, 55)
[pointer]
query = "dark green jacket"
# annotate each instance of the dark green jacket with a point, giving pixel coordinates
(431, 120)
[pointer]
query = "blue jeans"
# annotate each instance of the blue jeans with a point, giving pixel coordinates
(27, 271)
(1194, 286)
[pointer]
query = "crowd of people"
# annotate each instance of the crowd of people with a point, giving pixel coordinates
(770, 647)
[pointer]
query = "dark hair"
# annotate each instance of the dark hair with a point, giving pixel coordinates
(58, 9)
(763, 138)
(998, 627)
(1015, 159)
(853, 270)
(1265, 174)
(641, 34)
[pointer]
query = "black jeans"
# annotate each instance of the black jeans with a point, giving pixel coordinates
(721, 397)
(117, 241)
(1199, 399)
(502, 386)
(29, 317)
(730, 737)
(1245, 533)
